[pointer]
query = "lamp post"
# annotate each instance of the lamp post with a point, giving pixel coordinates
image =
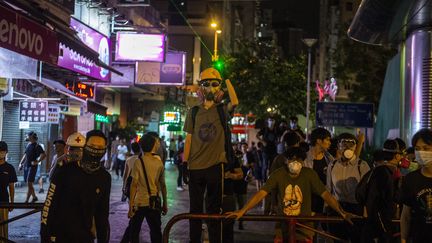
(309, 43)
(215, 56)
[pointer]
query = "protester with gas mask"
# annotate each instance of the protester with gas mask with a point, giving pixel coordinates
(295, 184)
(33, 156)
(382, 195)
(75, 144)
(7, 187)
(76, 208)
(343, 176)
(416, 193)
(207, 144)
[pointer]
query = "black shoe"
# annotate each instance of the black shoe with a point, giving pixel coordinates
(34, 199)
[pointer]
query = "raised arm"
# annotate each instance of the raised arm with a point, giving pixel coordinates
(232, 95)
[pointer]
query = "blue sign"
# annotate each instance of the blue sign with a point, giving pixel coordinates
(344, 114)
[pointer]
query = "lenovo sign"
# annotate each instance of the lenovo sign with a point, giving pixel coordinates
(22, 35)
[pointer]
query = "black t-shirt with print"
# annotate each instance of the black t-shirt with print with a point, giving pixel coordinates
(33, 151)
(7, 176)
(320, 167)
(416, 192)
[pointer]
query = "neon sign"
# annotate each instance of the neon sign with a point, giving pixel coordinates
(81, 90)
(100, 118)
(171, 117)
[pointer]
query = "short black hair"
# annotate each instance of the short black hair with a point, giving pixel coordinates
(60, 141)
(402, 144)
(291, 138)
(135, 147)
(3, 146)
(33, 135)
(390, 149)
(295, 153)
(260, 145)
(424, 134)
(378, 155)
(293, 118)
(319, 133)
(410, 150)
(147, 142)
(96, 133)
(346, 135)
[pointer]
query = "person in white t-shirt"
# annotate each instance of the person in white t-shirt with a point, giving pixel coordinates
(130, 161)
(122, 151)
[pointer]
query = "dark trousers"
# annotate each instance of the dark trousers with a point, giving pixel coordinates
(153, 219)
(180, 174)
(228, 205)
(373, 229)
(120, 166)
(344, 230)
(200, 181)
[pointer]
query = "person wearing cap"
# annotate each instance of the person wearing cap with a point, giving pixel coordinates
(33, 156)
(59, 147)
(204, 150)
(76, 208)
(381, 201)
(7, 181)
(343, 176)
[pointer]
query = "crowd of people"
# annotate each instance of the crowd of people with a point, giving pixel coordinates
(292, 174)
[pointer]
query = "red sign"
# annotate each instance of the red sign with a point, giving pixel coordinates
(22, 35)
(81, 90)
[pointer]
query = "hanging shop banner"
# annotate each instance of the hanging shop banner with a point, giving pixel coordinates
(171, 117)
(128, 75)
(72, 60)
(33, 111)
(140, 47)
(23, 35)
(19, 66)
(171, 72)
(53, 114)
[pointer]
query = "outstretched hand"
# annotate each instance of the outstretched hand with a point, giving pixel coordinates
(234, 215)
(349, 216)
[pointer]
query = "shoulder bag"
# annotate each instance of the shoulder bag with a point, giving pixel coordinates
(154, 201)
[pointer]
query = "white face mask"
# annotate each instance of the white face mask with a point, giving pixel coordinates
(295, 167)
(423, 157)
(348, 154)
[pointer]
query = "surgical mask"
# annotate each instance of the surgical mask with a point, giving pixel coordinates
(91, 160)
(295, 167)
(270, 123)
(423, 157)
(348, 154)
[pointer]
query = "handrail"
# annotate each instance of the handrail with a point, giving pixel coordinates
(266, 218)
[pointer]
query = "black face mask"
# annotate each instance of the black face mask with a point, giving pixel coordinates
(91, 160)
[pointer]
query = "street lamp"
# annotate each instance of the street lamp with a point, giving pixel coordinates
(215, 57)
(309, 42)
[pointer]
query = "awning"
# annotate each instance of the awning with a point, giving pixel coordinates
(64, 33)
(60, 88)
(96, 108)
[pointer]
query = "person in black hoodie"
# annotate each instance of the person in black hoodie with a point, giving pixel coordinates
(381, 201)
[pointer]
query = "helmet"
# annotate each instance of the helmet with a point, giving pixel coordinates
(76, 139)
(210, 74)
(3, 146)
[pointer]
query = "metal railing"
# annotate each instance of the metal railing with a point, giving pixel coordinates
(293, 222)
(36, 207)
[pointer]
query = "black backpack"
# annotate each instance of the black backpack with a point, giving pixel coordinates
(361, 191)
(229, 152)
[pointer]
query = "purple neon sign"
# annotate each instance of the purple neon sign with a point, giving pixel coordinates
(74, 61)
(140, 47)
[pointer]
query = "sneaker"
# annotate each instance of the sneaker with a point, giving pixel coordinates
(34, 200)
(41, 190)
(180, 189)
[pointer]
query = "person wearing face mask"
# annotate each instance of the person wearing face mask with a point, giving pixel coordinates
(268, 136)
(76, 208)
(382, 196)
(207, 149)
(7, 187)
(343, 176)
(416, 193)
(296, 185)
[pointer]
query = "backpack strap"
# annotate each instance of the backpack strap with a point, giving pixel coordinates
(194, 114)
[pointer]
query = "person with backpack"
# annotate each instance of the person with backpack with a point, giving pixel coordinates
(207, 149)
(378, 193)
(343, 176)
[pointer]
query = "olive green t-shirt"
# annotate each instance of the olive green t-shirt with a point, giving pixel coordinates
(295, 194)
(208, 138)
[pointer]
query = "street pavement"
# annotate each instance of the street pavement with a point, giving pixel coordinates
(26, 230)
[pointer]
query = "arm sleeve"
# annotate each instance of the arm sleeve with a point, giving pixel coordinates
(364, 168)
(316, 185)
(102, 214)
(51, 218)
(12, 175)
(188, 125)
(271, 183)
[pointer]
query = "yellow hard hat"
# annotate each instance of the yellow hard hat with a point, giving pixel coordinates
(210, 74)
(76, 139)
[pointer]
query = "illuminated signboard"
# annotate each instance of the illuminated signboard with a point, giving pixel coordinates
(171, 117)
(81, 90)
(100, 118)
(140, 47)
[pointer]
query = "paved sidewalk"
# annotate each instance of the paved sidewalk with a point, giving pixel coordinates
(27, 229)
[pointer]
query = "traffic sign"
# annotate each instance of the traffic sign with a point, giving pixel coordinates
(344, 114)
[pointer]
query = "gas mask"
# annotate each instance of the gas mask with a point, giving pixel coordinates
(423, 158)
(404, 163)
(210, 89)
(295, 167)
(347, 146)
(91, 159)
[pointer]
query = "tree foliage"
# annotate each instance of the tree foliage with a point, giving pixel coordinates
(263, 80)
(363, 66)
